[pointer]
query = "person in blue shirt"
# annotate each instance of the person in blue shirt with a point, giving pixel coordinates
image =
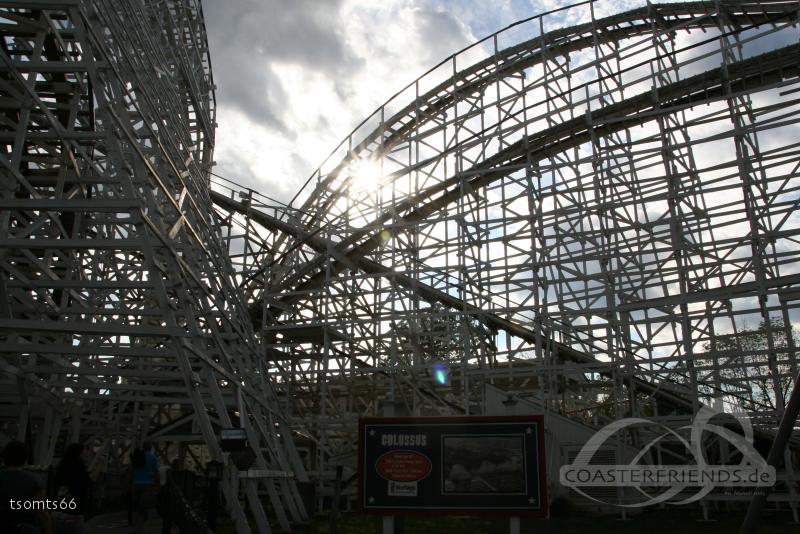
(144, 484)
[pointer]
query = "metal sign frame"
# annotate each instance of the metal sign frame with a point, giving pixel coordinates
(476, 465)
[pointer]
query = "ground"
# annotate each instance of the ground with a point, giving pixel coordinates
(666, 521)
(117, 523)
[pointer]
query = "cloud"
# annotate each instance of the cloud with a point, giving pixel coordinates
(441, 30)
(294, 77)
(250, 38)
(257, 93)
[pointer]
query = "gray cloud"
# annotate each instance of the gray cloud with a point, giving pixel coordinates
(346, 48)
(252, 175)
(257, 92)
(248, 36)
(443, 33)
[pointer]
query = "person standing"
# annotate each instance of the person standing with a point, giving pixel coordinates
(144, 484)
(172, 506)
(16, 488)
(72, 482)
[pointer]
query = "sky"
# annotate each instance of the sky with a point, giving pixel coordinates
(294, 77)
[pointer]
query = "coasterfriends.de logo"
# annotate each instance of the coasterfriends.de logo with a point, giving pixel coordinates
(666, 483)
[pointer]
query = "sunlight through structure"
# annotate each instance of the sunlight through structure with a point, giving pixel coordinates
(596, 214)
(586, 215)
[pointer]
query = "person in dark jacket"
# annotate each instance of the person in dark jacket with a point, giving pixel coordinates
(72, 483)
(17, 488)
(172, 499)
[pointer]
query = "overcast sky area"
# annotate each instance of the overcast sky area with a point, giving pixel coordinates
(295, 76)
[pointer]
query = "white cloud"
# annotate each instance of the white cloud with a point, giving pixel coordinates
(294, 78)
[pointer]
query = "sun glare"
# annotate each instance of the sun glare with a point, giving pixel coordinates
(366, 175)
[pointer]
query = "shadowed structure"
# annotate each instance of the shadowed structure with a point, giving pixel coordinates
(120, 320)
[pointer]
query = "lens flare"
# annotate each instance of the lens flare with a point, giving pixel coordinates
(441, 373)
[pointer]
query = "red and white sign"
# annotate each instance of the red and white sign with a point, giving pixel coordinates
(403, 466)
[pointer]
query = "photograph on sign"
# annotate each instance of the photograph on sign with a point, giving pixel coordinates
(483, 464)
